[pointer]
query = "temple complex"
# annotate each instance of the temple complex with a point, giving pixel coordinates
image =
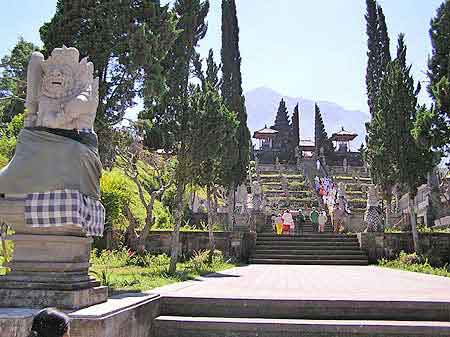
(282, 141)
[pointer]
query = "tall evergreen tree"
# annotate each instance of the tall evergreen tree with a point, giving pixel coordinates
(174, 114)
(296, 126)
(13, 80)
(384, 43)
(378, 50)
(282, 118)
(321, 139)
(232, 90)
(413, 162)
(121, 38)
(433, 125)
(372, 53)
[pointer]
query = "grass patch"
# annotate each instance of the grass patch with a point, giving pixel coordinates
(415, 263)
(123, 271)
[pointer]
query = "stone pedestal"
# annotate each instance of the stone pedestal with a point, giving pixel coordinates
(49, 268)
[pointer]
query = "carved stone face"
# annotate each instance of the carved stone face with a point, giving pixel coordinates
(57, 81)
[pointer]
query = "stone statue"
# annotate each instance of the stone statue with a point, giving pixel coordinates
(277, 164)
(50, 191)
(256, 195)
(344, 164)
(62, 92)
(257, 168)
(373, 215)
(242, 198)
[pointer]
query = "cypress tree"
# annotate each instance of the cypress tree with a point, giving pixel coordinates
(296, 126)
(320, 134)
(232, 90)
(384, 43)
(378, 53)
(282, 118)
(372, 53)
(433, 125)
(176, 113)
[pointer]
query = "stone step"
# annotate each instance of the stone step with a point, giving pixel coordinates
(306, 247)
(307, 236)
(308, 242)
(328, 252)
(179, 326)
(274, 260)
(306, 309)
(312, 256)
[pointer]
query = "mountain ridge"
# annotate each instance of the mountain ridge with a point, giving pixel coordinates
(262, 104)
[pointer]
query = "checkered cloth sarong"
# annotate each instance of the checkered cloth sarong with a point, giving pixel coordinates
(65, 207)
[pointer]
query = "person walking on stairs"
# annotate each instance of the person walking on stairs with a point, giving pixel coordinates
(314, 217)
(279, 224)
(322, 219)
(288, 223)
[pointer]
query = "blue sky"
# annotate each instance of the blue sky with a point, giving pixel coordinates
(312, 49)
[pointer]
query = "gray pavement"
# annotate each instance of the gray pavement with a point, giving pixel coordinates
(357, 283)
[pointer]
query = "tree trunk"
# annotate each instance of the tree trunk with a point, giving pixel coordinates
(415, 234)
(211, 219)
(178, 215)
(388, 210)
(231, 207)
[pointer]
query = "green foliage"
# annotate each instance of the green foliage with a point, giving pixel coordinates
(239, 152)
(124, 270)
(392, 152)
(320, 135)
(117, 190)
(9, 251)
(378, 51)
(432, 127)
(282, 118)
(415, 263)
(126, 41)
(13, 80)
(8, 138)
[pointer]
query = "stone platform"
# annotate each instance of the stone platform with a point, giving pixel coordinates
(302, 300)
(127, 315)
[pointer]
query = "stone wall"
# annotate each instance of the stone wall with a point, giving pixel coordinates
(389, 245)
(231, 244)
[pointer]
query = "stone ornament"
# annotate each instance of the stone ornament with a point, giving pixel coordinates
(373, 215)
(61, 91)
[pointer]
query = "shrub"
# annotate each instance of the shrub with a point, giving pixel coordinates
(117, 191)
(415, 263)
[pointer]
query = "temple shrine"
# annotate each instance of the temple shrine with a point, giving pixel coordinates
(282, 141)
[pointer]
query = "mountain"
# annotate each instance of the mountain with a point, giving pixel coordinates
(262, 104)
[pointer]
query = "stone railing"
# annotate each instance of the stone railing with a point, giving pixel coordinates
(231, 244)
(389, 245)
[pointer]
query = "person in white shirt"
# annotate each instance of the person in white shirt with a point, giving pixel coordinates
(322, 221)
(288, 221)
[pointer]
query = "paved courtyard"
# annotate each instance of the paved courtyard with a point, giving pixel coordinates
(300, 282)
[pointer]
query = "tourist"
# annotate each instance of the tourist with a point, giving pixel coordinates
(322, 221)
(314, 217)
(279, 224)
(301, 219)
(50, 323)
(273, 220)
(288, 222)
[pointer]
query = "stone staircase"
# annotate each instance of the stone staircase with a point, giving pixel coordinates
(298, 193)
(308, 248)
(239, 317)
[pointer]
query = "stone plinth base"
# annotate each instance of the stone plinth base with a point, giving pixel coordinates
(129, 315)
(49, 268)
(63, 299)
